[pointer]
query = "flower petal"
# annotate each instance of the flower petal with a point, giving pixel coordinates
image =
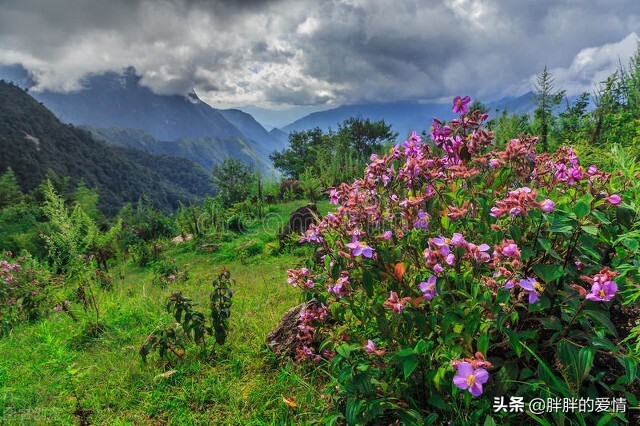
(481, 375)
(476, 389)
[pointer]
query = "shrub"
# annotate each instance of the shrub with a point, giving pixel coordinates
(23, 290)
(453, 273)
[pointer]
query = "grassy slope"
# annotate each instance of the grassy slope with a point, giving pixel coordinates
(45, 366)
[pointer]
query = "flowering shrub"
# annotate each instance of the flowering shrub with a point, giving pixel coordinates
(452, 272)
(22, 290)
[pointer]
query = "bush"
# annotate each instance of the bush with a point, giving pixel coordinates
(23, 290)
(452, 274)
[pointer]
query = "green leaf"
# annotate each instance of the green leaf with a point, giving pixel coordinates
(551, 323)
(409, 365)
(631, 244)
(515, 341)
(604, 420)
(483, 344)
(545, 243)
(489, 421)
(344, 350)
(581, 209)
(421, 347)
(590, 229)
(600, 318)
(601, 217)
(405, 353)
(353, 410)
(585, 362)
(630, 368)
(548, 273)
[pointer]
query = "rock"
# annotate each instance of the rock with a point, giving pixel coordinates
(282, 339)
(210, 248)
(300, 220)
(182, 238)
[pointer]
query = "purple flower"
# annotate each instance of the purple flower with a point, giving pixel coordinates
(533, 287)
(386, 235)
(614, 199)
(460, 105)
(510, 250)
(602, 292)
(429, 287)
(470, 378)
(515, 211)
(423, 220)
(457, 240)
(370, 347)
(333, 197)
(592, 170)
(547, 206)
(561, 172)
(574, 175)
(360, 248)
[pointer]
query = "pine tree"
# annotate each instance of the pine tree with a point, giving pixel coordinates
(547, 98)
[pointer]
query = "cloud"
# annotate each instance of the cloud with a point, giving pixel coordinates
(592, 65)
(304, 52)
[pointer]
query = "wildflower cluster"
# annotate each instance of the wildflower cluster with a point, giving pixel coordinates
(447, 247)
(22, 290)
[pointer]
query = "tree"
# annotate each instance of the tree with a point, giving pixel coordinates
(9, 189)
(547, 98)
(365, 136)
(333, 152)
(574, 121)
(509, 126)
(234, 180)
(302, 152)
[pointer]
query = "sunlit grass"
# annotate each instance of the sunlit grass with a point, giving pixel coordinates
(47, 367)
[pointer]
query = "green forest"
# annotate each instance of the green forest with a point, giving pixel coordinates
(489, 257)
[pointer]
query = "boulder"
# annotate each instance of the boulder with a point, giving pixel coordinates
(300, 220)
(282, 339)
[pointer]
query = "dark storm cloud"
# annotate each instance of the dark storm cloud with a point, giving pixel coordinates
(303, 52)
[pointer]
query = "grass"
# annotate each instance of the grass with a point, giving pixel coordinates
(48, 367)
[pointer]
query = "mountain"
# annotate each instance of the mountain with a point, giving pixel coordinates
(403, 117)
(205, 151)
(194, 129)
(33, 141)
(253, 131)
(278, 118)
(523, 104)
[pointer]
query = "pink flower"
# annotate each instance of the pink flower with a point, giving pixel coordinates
(333, 197)
(370, 347)
(460, 105)
(614, 199)
(429, 288)
(547, 206)
(602, 292)
(360, 248)
(396, 304)
(470, 378)
(511, 250)
(457, 240)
